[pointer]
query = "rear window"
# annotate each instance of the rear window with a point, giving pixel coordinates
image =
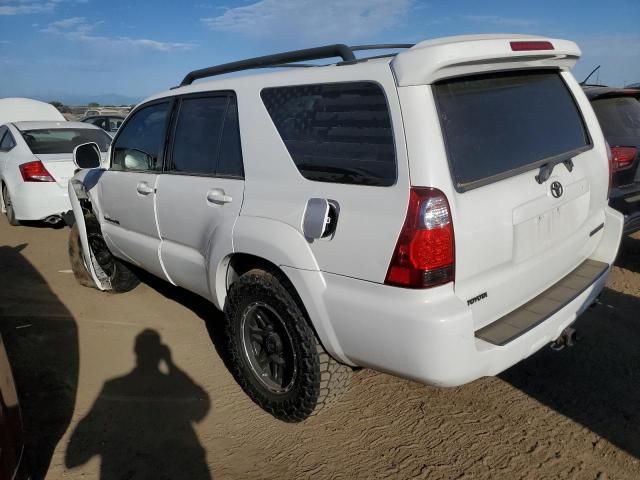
(63, 140)
(619, 116)
(501, 124)
(336, 132)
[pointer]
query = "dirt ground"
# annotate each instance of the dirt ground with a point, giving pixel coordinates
(90, 412)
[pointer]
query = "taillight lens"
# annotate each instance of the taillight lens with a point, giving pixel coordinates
(35, 172)
(522, 46)
(610, 158)
(424, 256)
(622, 157)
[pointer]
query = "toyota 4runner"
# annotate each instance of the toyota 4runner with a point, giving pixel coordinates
(439, 214)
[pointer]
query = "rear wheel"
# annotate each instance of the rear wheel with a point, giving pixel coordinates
(8, 206)
(117, 275)
(275, 355)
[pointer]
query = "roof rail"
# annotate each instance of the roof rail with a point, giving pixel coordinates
(276, 60)
(381, 46)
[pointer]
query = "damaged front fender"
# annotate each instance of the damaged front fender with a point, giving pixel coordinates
(83, 197)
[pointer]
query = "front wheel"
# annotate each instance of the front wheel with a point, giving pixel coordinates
(8, 207)
(275, 355)
(117, 276)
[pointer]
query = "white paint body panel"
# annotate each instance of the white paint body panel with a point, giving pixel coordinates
(512, 239)
(190, 226)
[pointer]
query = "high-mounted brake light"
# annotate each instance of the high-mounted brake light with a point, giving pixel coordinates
(35, 172)
(424, 256)
(523, 46)
(623, 157)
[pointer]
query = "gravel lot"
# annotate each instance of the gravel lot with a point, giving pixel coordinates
(89, 412)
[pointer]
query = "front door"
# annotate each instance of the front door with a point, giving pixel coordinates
(128, 188)
(201, 192)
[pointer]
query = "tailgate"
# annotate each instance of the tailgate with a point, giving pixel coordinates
(530, 189)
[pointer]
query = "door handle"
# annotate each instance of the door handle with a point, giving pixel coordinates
(218, 196)
(143, 188)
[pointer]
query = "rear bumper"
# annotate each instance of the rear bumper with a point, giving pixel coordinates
(429, 336)
(37, 201)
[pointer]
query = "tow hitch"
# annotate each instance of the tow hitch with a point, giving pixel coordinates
(567, 338)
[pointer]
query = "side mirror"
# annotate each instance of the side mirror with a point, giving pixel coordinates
(87, 155)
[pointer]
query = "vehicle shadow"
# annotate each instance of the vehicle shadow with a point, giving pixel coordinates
(595, 383)
(629, 256)
(141, 424)
(41, 338)
(202, 307)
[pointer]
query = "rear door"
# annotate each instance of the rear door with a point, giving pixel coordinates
(529, 188)
(128, 188)
(200, 195)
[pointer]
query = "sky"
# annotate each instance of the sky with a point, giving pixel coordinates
(51, 49)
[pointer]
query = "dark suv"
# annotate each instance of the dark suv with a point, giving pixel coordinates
(618, 111)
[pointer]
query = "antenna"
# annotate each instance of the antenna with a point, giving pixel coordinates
(584, 82)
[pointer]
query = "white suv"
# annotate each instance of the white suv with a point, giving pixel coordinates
(438, 214)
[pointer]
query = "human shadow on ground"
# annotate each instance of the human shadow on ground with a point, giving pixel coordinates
(41, 338)
(142, 424)
(595, 383)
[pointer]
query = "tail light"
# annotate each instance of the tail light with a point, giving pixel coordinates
(610, 158)
(623, 157)
(424, 256)
(35, 172)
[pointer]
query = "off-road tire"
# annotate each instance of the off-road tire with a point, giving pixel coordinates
(121, 278)
(8, 206)
(320, 379)
(83, 277)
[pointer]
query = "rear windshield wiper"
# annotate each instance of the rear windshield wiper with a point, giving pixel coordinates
(547, 169)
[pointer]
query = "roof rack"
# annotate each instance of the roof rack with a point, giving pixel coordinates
(288, 59)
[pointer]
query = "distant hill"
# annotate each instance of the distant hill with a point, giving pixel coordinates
(79, 99)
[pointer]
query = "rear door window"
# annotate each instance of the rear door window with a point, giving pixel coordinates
(501, 124)
(336, 132)
(618, 116)
(206, 140)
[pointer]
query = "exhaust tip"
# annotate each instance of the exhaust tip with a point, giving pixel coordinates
(567, 338)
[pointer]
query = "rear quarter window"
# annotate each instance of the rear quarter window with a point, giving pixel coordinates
(336, 132)
(501, 124)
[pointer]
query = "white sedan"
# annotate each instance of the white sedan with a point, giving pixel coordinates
(36, 164)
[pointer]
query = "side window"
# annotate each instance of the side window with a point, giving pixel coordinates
(230, 158)
(140, 144)
(197, 135)
(336, 132)
(206, 139)
(7, 142)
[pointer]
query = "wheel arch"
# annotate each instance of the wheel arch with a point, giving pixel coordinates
(273, 245)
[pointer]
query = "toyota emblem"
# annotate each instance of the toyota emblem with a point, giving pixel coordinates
(556, 189)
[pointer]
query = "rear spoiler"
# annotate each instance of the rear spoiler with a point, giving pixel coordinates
(434, 60)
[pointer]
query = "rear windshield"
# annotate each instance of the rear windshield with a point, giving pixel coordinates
(619, 116)
(501, 124)
(64, 140)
